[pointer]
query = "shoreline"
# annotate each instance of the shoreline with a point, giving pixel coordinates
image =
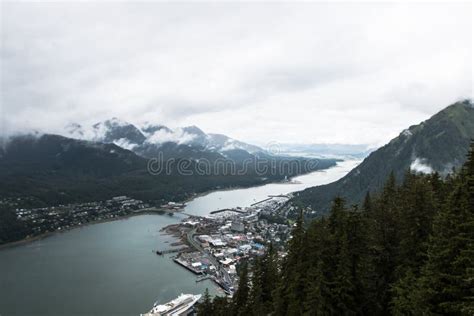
(289, 181)
(32, 239)
(157, 211)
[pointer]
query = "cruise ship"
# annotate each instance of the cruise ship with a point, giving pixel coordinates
(180, 306)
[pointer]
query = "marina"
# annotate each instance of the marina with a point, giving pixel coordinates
(227, 237)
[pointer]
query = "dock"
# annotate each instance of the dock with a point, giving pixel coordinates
(280, 196)
(184, 264)
(271, 197)
(264, 200)
(228, 210)
(205, 277)
(167, 251)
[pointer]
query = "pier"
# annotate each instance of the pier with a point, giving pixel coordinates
(228, 210)
(167, 251)
(187, 266)
(205, 277)
(280, 195)
(267, 199)
(271, 197)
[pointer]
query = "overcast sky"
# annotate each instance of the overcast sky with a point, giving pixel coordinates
(301, 73)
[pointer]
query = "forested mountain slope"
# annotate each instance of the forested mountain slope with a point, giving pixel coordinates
(53, 169)
(438, 144)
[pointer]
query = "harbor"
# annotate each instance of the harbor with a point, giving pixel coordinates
(221, 241)
(123, 255)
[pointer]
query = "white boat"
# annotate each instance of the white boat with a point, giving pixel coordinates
(182, 305)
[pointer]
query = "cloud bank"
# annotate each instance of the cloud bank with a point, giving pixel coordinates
(301, 72)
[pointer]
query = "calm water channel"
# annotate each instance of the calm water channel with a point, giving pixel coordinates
(109, 268)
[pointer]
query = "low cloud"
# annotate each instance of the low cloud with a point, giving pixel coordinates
(177, 136)
(420, 166)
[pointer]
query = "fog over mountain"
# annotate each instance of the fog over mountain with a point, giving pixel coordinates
(326, 150)
(150, 139)
(286, 72)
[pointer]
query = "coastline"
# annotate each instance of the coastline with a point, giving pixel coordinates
(28, 240)
(156, 211)
(240, 187)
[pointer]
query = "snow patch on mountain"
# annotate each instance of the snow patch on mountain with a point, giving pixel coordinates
(230, 145)
(407, 133)
(124, 143)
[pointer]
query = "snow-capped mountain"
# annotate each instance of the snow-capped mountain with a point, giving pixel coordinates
(224, 143)
(149, 139)
(114, 131)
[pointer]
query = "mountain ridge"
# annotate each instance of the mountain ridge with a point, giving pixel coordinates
(54, 169)
(437, 144)
(148, 139)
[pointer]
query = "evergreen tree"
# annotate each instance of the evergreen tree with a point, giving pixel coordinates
(264, 280)
(348, 250)
(447, 278)
(383, 247)
(417, 208)
(367, 206)
(317, 291)
(344, 285)
(240, 301)
(406, 296)
(205, 308)
(256, 297)
(221, 307)
(289, 289)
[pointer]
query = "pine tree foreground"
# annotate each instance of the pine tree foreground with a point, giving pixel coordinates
(407, 251)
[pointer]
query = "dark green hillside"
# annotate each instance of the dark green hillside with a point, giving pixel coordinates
(54, 169)
(58, 154)
(440, 143)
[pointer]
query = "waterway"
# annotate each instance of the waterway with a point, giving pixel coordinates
(109, 268)
(245, 197)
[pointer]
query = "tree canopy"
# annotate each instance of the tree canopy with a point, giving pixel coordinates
(408, 250)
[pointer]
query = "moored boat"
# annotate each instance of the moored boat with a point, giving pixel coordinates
(182, 305)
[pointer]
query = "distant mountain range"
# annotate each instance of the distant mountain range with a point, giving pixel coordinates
(110, 158)
(438, 144)
(148, 140)
(326, 150)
